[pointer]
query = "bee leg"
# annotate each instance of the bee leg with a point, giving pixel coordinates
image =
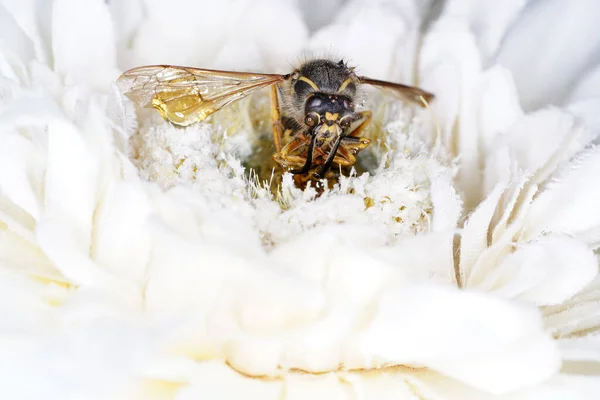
(276, 119)
(366, 117)
(309, 157)
(284, 158)
(355, 144)
(330, 158)
(292, 146)
(345, 157)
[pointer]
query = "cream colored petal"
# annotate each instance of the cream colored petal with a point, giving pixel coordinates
(121, 242)
(83, 48)
(560, 387)
(481, 354)
(71, 185)
(15, 47)
(474, 236)
(544, 272)
(578, 316)
(586, 350)
(568, 203)
(215, 380)
(21, 169)
(62, 243)
(529, 362)
(541, 141)
(426, 257)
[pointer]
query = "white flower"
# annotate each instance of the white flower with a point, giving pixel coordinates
(139, 260)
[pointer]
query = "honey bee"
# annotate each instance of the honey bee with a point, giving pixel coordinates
(313, 115)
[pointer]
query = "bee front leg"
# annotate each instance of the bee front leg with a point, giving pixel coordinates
(284, 157)
(352, 144)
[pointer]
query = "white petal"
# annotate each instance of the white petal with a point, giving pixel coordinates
(322, 242)
(474, 237)
(488, 20)
(450, 65)
(65, 246)
(169, 36)
(183, 279)
(489, 258)
(498, 109)
(569, 203)
(586, 348)
(127, 15)
(119, 350)
(22, 293)
(540, 141)
(414, 257)
(571, 45)
(178, 279)
(323, 387)
(579, 314)
(588, 87)
(585, 99)
(499, 104)
(500, 168)
(327, 11)
(71, 179)
(14, 45)
(83, 46)
(216, 380)
(561, 387)
(17, 220)
(25, 257)
(393, 384)
(512, 206)
(447, 205)
(585, 110)
(545, 272)
(527, 363)
(394, 26)
(121, 241)
(436, 386)
(29, 108)
(23, 13)
(482, 354)
(21, 171)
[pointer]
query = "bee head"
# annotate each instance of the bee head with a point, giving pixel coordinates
(328, 109)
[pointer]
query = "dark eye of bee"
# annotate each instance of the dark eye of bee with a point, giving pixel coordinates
(315, 102)
(348, 105)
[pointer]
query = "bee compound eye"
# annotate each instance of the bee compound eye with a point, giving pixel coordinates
(315, 102)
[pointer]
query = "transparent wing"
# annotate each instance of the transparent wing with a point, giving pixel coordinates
(185, 95)
(409, 93)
